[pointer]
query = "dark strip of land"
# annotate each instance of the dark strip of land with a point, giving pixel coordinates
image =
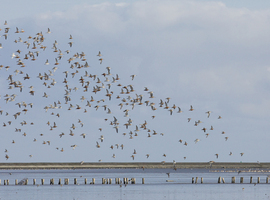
(131, 165)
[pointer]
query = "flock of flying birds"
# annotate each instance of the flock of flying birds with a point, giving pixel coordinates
(102, 91)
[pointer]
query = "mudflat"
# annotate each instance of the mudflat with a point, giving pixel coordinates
(146, 165)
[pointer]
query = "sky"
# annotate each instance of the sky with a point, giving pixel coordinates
(213, 55)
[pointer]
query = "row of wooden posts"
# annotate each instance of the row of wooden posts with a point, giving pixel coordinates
(66, 181)
(195, 180)
(222, 180)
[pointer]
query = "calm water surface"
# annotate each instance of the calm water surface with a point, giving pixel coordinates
(155, 187)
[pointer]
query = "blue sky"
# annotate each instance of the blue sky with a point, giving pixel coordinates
(212, 55)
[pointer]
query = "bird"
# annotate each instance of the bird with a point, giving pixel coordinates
(197, 140)
(99, 54)
(208, 113)
(132, 76)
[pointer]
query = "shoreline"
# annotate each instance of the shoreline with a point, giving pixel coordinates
(132, 165)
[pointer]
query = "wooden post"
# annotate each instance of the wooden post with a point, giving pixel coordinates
(133, 180)
(75, 181)
(192, 180)
(42, 181)
(110, 181)
(66, 181)
(16, 181)
(85, 181)
(107, 181)
(26, 182)
(219, 179)
(267, 178)
(34, 181)
(258, 181)
(142, 180)
(241, 179)
(196, 180)
(233, 179)
(116, 181)
(223, 180)
(251, 179)
(93, 180)
(5, 182)
(59, 182)
(103, 180)
(201, 179)
(51, 181)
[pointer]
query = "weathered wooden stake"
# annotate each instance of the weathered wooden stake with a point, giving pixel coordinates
(258, 181)
(196, 180)
(51, 181)
(85, 181)
(142, 180)
(42, 181)
(241, 179)
(233, 179)
(75, 181)
(133, 180)
(103, 180)
(201, 179)
(251, 179)
(59, 182)
(16, 181)
(267, 178)
(223, 180)
(110, 181)
(26, 181)
(116, 181)
(34, 181)
(93, 180)
(192, 180)
(219, 179)
(66, 181)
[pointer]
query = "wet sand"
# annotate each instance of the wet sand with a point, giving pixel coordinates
(146, 165)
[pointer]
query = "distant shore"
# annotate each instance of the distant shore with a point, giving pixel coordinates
(131, 165)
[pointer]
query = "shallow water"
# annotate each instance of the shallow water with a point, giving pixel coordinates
(155, 186)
